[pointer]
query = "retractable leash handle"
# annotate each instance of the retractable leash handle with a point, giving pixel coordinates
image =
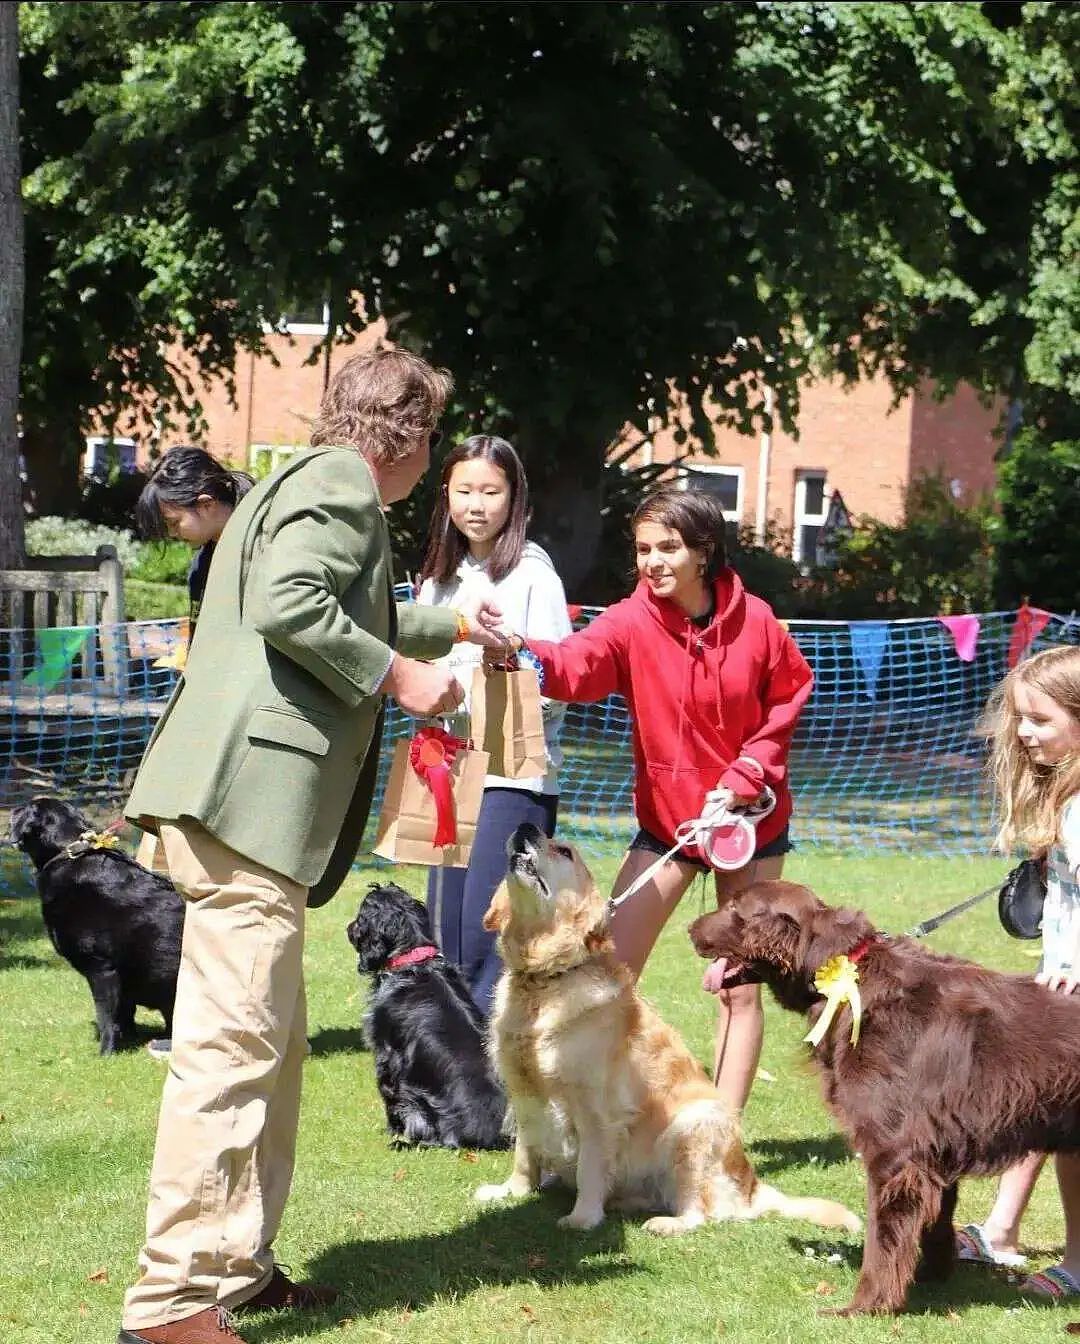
(728, 836)
(725, 836)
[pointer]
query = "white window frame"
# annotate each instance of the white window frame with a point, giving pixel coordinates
(282, 326)
(96, 443)
(800, 517)
(278, 453)
(711, 469)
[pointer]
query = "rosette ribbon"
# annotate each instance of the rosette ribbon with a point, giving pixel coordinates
(431, 755)
(838, 980)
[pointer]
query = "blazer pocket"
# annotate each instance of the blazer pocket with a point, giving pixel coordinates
(287, 730)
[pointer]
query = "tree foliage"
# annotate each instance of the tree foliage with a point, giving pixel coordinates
(11, 289)
(590, 212)
(1038, 541)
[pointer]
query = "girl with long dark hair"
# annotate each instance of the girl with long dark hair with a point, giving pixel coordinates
(478, 543)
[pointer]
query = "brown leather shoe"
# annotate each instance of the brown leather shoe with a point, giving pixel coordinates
(281, 1294)
(205, 1327)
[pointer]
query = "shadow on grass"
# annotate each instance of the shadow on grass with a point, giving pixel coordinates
(502, 1246)
(338, 1041)
(774, 1155)
(20, 924)
(969, 1285)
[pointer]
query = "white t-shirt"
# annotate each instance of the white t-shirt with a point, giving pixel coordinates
(1061, 913)
(533, 604)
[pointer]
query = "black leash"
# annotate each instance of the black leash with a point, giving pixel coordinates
(929, 925)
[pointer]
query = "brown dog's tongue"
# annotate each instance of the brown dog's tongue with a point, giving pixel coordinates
(715, 975)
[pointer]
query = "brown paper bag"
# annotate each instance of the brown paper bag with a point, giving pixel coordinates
(508, 723)
(407, 820)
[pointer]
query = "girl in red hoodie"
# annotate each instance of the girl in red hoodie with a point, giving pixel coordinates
(714, 685)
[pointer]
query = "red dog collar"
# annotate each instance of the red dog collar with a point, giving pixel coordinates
(861, 948)
(411, 958)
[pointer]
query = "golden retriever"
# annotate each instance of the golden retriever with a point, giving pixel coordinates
(604, 1094)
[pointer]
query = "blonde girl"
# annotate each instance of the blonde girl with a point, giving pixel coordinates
(1035, 765)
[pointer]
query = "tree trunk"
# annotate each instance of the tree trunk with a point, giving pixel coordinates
(12, 533)
(567, 494)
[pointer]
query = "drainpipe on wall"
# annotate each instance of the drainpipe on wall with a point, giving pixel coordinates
(761, 512)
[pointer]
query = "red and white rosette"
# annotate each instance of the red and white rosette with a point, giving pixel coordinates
(431, 755)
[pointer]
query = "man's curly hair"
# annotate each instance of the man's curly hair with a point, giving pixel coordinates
(381, 402)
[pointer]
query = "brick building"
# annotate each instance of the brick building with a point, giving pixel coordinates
(850, 443)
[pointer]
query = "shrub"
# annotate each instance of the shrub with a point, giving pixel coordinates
(154, 601)
(1038, 542)
(75, 536)
(767, 569)
(938, 560)
(162, 562)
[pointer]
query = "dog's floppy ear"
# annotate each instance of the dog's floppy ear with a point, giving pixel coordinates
(497, 915)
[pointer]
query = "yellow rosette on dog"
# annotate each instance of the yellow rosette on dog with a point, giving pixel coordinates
(100, 840)
(838, 980)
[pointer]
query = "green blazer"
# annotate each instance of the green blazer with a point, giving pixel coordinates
(271, 739)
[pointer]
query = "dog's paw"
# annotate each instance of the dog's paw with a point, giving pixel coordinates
(852, 1310)
(666, 1226)
(582, 1220)
(488, 1194)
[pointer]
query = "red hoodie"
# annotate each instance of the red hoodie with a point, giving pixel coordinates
(699, 699)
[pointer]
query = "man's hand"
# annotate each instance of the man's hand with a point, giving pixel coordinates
(485, 621)
(422, 689)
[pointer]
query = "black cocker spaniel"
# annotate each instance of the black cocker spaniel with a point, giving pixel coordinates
(428, 1037)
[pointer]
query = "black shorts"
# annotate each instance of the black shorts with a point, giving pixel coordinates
(651, 844)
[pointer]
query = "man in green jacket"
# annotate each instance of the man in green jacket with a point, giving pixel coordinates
(258, 780)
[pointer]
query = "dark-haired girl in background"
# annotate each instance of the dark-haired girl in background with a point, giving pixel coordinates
(477, 542)
(189, 497)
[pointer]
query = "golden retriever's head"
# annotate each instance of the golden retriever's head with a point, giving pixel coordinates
(548, 913)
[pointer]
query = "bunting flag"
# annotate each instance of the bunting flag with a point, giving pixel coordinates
(58, 647)
(965, 633)
(870, 640)
(1029, 625)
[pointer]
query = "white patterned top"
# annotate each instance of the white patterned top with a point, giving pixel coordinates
(1061, 913)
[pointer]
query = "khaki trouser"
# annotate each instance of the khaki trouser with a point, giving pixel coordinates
(226, 1136)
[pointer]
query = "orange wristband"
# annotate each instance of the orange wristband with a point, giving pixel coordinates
(462, 632)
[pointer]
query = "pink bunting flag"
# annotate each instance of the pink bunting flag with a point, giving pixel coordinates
(1029, 625)
(965, 633)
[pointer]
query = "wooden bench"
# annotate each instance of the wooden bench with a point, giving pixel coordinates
(83, 595)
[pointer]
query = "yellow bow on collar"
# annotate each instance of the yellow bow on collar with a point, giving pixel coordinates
(100, 840)
(838, 980)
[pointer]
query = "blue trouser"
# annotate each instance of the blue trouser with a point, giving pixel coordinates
(458, 897)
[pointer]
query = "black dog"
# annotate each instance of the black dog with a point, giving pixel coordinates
(117, 924)
(431, 1061)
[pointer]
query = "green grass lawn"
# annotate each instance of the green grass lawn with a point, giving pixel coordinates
(400, 1233)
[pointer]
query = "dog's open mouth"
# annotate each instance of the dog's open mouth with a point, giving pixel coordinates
(522, 852)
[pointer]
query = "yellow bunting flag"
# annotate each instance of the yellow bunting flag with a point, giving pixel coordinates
(838, 980)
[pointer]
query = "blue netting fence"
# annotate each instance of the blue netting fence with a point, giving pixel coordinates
(887, 755)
